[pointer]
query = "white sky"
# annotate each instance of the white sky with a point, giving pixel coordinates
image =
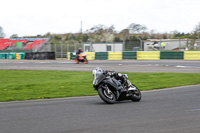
(33, 17)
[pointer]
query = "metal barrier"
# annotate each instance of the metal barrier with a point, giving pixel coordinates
(140, 55)
(192, 55)
(171, 54)
(101, 55)
(129, 55)
(114, 55)
(148, 55)
(90, 55)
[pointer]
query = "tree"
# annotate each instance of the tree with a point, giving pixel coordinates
(85, 37)
(196, 32)
(48, 34)
(136, 28)
(125, 34)
(2, 35)
(102, 33)
(14, 36)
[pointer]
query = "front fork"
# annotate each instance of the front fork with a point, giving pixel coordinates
(110, 92)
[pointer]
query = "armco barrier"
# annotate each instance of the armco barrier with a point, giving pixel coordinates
(139, 55)
(101, 55)
(114, 55)
(40, 56)
(68, 55)
(90, 55)
(148, 55)
(171, 54)
(72, 55)
(129, 55)
(3, 55)
(12, 55)
(20, 56)
(192, 55)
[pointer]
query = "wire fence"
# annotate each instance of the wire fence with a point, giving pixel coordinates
(62, 48)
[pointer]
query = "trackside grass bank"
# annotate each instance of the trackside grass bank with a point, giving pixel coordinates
(26, 85)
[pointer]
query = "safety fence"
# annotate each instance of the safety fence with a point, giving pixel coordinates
(40, 56)
(126, 55)
(140, 55)
(12, 56)
(29, 56)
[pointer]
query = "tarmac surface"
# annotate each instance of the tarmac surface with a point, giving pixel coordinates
(179, 66)
(174, 110)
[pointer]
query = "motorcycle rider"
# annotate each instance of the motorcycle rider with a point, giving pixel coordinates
(78, 52)
(121, 77)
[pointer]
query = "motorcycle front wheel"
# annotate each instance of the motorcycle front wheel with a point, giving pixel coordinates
(136, 94)
(106, 96)
(76, 61)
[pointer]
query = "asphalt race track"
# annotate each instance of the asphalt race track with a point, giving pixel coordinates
(179, 66)
(175, 110)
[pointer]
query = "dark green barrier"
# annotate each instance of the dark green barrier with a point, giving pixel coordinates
(101, 55)
(12, 55)
(171, 55)
(129, 55)
(72, 56)
(2, 56)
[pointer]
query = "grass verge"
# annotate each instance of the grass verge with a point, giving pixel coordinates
(26, 85)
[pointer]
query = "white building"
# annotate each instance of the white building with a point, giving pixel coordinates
(103, 47)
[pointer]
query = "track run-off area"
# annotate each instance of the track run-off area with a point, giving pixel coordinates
(171, 110)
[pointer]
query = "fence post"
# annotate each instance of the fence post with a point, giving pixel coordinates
(199, 42)
(140, 44)
(179, 43)
(67, 49)
(55, 48)
(74, 46)
(61, 49)
(124, 45)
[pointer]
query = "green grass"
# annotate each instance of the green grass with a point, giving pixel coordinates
(26, 85)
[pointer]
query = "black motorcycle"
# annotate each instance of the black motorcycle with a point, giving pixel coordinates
(113, 86)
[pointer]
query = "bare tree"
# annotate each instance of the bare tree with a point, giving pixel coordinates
(136, 28)
(14, 36)
(102, 33)
(125, 34)
(197, 30)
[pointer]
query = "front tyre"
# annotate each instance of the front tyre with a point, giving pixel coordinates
(135, 94)
(107, 96)
(76, 61)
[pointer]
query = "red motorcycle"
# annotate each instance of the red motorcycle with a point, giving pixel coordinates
(82, 58)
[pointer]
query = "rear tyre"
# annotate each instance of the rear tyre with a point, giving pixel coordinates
(86, 61)
(108, 98)
(136, 94)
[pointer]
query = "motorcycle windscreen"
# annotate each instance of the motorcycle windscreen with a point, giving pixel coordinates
(98, 76)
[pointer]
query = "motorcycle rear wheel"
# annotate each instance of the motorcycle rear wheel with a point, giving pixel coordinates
(108, 98)
(136, 95)
(86, 61)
